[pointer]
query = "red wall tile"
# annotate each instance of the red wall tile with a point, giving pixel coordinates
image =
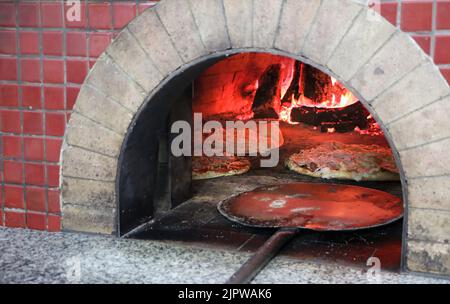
(12, 146)
(443, 15)
(442, 55)
(446, 73)
(35, 199)
(53, 149)
(52, 43)
(7, 14)
(98, 43)
(100, 16)
(32, 123)
(31, 96)
(10, 121)
(7, 42)
(71, 96)
(123, 14)
(8, 69)
(36, 221)
(76, 44)
(34, 174)
(33, 148)
(389, 11)
(76, 70)
(9, 95)
(53, 71)
(29, 14)
(54, 223)
(54, 98)
(424, 42)
(53, 175)
(417, 15)
(15, 219)
(13, 171)
(14, 197)
(31, 70)
(92, 63)
(55, 124)
(51, 14)
(29, 42)
(54, 205)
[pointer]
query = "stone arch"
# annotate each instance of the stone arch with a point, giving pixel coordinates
(384, 67)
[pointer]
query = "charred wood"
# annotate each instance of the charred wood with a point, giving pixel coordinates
(341, 119)
(266, 103)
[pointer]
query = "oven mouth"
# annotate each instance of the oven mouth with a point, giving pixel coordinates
(177, 208)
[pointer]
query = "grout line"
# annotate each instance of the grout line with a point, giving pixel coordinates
(89, 179)
(147, 54)
(109, 98)
(347, 31)
(93, 151)
(169, 36)
(431, 209)
(125, 73)
(376, 99)
(19, 83)
(44, 114)
(311, 26)
(447, 175)
(97, 123)
(277, 28)
(188, 3)
(378, 50)
(424, 144)
(415, 110)
(252, 22)
(433, 30)
(226, 22)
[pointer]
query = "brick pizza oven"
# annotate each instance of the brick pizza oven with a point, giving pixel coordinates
(112, 144)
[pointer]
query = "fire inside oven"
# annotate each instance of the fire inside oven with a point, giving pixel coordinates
(326, 135)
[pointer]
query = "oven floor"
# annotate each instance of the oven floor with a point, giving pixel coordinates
(198, 222)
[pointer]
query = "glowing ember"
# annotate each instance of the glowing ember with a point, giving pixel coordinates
(374, 129)
(331, 130)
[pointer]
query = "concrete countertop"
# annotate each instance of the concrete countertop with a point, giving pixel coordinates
(28, 256)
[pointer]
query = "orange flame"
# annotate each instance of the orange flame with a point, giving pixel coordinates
(336, 101)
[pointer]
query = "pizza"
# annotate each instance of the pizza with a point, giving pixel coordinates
(204, 167)
(333, 160)
(246, 140)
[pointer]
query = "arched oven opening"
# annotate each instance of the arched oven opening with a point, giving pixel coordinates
(326, 135)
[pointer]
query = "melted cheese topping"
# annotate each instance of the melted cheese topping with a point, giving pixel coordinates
(337, 160)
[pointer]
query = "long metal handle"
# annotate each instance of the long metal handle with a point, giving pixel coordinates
(262, 257)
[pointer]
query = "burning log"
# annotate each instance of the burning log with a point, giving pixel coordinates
(317, 84)
(343, 119)
(266, 103)
(293, 92)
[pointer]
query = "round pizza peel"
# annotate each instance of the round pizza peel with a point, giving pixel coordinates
(319, 207)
